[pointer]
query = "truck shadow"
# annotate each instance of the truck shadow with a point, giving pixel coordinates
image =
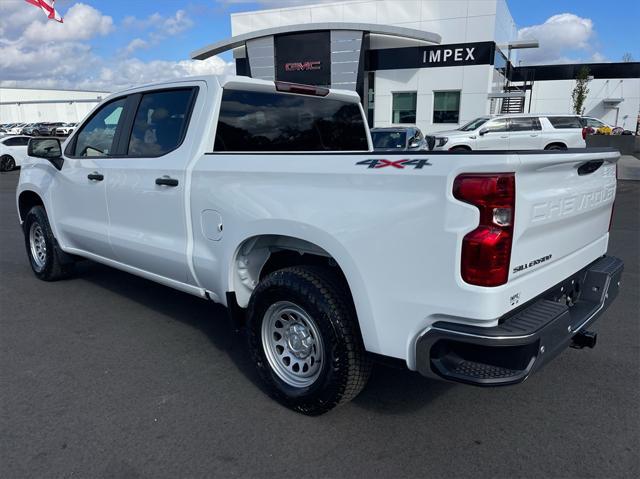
(391, 390)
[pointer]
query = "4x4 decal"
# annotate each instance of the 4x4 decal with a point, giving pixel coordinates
(400, 164)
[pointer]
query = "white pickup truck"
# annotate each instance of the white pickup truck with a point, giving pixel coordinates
(475, 267)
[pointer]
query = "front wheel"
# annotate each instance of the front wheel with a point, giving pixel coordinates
(305, 341)
(48, 262)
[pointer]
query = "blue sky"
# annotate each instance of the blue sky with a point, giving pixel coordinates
(105, 44)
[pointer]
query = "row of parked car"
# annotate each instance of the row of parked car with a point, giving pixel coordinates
(37, 129)
(495, 132)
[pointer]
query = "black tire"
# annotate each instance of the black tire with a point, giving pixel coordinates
(7, 163)
(460, 148)
(57, 264)
(345, 366)
(555, 147)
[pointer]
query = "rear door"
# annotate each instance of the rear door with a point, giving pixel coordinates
(146, 183)
(494, 135)
(524, 133)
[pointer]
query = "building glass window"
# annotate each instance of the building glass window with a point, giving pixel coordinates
(404, 107)
(446, 106)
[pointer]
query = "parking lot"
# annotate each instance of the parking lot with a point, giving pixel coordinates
(110, 375)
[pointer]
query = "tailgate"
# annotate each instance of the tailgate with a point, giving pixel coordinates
(563, 204)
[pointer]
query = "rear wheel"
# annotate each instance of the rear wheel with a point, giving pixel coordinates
(460, 148)
(48, 262)
(7, 163)
(305, 341)
(555, 146)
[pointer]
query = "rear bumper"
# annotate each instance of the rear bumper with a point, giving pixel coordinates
(526, 338)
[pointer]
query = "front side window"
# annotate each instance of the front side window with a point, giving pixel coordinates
(267, 121)
(446, 106)
(562, 122)
(404, 107)
(160, 122)
(97, 135)
(524, 124)
(497, 125)
(474, 124)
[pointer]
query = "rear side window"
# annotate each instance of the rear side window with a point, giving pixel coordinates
(96, 136)
(524, 124)
(160, 122)
(565, 122)
(18, 141)
(265, 121)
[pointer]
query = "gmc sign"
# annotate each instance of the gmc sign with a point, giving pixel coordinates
(303, 58)
(302, 66)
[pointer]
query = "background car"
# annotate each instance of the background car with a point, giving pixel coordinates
(31, 129)
(512, 132)
(407, 138)
(13, 151)
(65, 130)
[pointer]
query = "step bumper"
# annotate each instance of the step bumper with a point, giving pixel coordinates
(526, 338)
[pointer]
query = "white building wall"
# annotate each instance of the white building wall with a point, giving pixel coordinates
(34, 105)
(554, 96)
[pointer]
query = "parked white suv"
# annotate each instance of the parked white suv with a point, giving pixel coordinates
(512, 132)
(267, 197)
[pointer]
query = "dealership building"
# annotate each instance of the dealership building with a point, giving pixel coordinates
(436, 64)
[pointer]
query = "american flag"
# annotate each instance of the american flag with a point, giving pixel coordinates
(47, 8)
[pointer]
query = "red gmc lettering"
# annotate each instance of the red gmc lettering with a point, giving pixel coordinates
(302, 66)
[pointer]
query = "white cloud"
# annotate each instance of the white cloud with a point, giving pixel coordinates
(37, 52)
(560, 35)
(81, 22)
(135, 44)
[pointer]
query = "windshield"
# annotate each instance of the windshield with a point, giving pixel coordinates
(389, 139)
(474, 124)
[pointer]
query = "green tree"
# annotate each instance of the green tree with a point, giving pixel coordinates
(580, 91)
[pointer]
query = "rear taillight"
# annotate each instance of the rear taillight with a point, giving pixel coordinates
(301, 89)
(486, 251)
(586, 131)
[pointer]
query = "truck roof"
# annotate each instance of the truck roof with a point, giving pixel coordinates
(237, 82)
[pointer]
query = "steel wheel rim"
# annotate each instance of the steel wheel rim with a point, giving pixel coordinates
(38, 246)
(292, 344)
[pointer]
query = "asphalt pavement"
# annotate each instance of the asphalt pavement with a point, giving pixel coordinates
(110, 375)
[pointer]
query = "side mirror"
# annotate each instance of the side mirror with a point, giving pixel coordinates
(48, 149)
(483, 132)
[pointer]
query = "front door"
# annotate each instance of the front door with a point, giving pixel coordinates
(146, 184)
(494, 135)
(79, 203)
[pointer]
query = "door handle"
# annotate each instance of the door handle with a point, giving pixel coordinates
(95, 176)
(534, 134)
(166, 181)
(505, 136)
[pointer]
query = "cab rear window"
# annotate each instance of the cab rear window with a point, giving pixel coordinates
(266, 121)
(565, 122)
